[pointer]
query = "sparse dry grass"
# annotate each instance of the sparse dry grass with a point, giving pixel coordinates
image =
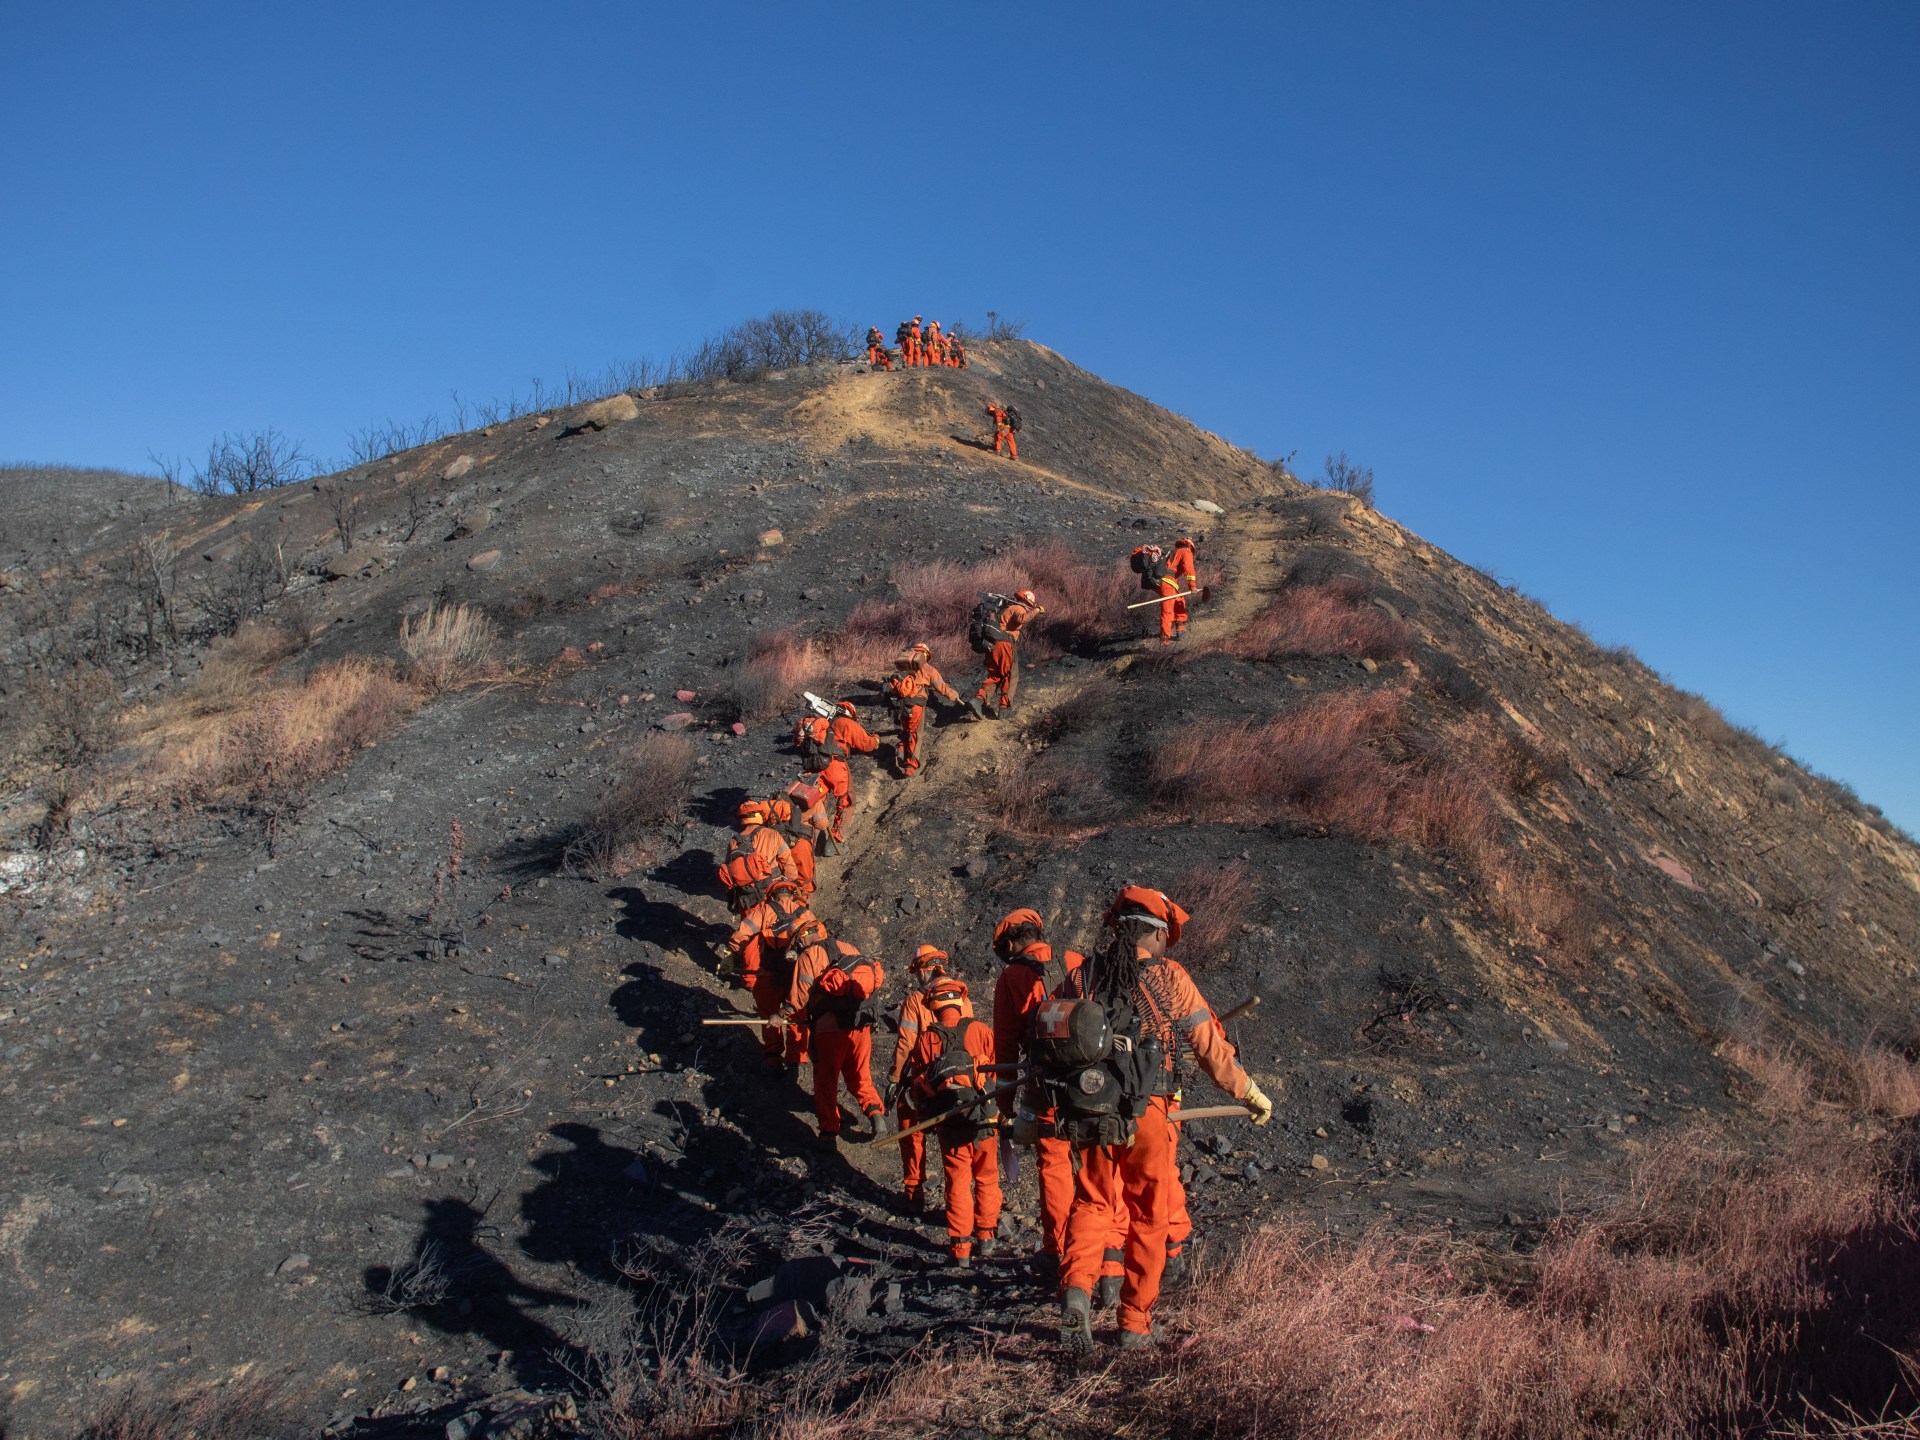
(1085, 604)
(249, 1409)
(1354, 762)
(266, 754)
(1219, 898)
(448, 645)
(647, 794)
(779, 665)
(1724, 1294)
(234, 669)
(1332, 617)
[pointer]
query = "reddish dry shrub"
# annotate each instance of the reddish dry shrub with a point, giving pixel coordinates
(1723, 1295)
(780, 664)
(1883, 1082)
(1333, 617)
(1539, 907)
(1084, 603)
(1043, 794)
(1219, 898)
(646, 795)
(1074, 714)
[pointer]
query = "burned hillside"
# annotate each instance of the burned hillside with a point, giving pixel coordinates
(360, 840)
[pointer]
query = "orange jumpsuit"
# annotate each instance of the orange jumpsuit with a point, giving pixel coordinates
(969, 1157)
(916, 1015)
(1016, 995)
(1001, 667)
(912, 687)
(1140, 1178)
(799, 837)
(916, 353)
(845, 734)
(762, 941)
(829, 986)
(764, 845)
(877, 355)
(1177, 579)
(936, 346)
(1003, 437)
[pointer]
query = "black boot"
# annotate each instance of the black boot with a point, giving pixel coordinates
(1107, 1292)
(1076, 1323)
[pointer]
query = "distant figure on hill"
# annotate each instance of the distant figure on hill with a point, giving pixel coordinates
(936, 346)
(1006, 423)
(956, 352)
(877, 355)
(916, 344)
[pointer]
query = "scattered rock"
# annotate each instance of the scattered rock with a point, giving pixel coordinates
(292, 1263)
(678, 721)
(458, 468)
(1207, 507)
(614, 410)
(1368, 664)
(541, 422)
(439, 1160)
(360, 560)
(471, 522)
(484, 561)
(738, 728)
(686, 697)
(771, 538)
(1319, 1162)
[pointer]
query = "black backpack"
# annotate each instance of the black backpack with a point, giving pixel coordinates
(983, 628)
(816, 755)
(1099, 1065)
(1013, 419)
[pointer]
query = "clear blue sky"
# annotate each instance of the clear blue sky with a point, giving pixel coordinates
(1620, 301)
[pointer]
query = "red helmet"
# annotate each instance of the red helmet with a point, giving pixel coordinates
(1183, 543)
(845, 707)
(1027, 597)
(1138, 902)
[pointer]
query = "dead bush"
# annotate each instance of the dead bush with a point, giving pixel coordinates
(1782, 1084)
(1882, 1081)
(448, 645)
(1540, 908)
(1075, 714)
(76, 708)
(1220, 898)
(1335, 617)
(249, 1409)
(233, 669)
(647, 794)
(1041, 794)
(779, 665)
(1522, 768)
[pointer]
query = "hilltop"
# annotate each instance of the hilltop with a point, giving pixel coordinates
(331, 974)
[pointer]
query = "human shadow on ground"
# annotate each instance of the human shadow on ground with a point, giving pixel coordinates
(453, 1283)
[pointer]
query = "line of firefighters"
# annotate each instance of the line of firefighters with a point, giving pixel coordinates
(917, 345)
(1114, 1218)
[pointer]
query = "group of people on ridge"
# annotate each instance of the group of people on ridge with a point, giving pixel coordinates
(917, 346)
(1079, 1056)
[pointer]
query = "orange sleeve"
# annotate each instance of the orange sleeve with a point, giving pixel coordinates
(913, 1022)
(1193, 1020)
(807, 967)
(979, 1044)
(937, 683)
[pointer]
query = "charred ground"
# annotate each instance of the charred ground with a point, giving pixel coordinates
(302, 1078)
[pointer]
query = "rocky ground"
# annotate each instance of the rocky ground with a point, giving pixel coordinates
(419, 1126)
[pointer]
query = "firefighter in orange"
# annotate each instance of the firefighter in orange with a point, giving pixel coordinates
(825, 746)
(956, 352)
(913, 680)
(952, 1067)
(1002, 417)
(936, 344)
(1176, 579)
(785, 818)
(1002, 669)
(832, 992)
(877, 355)
(1031, 976)
(916, 344)
(758, 851)
(929, 971)
(771, 915)
(1132, 968)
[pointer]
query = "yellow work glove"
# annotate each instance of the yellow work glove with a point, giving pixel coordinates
(1256, 1100)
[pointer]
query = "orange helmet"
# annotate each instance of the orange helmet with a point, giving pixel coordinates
(845, 707)
(1183, 543)
(951, 990)
(753, 812)
(920, 650)
(929, 957)
(1027, 597)
(1139, 903)
(1015, 918)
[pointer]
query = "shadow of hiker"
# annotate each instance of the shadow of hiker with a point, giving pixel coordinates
(972, 442)
(691, 872)
(453, 1283)
(720, 807)
(666, 926)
